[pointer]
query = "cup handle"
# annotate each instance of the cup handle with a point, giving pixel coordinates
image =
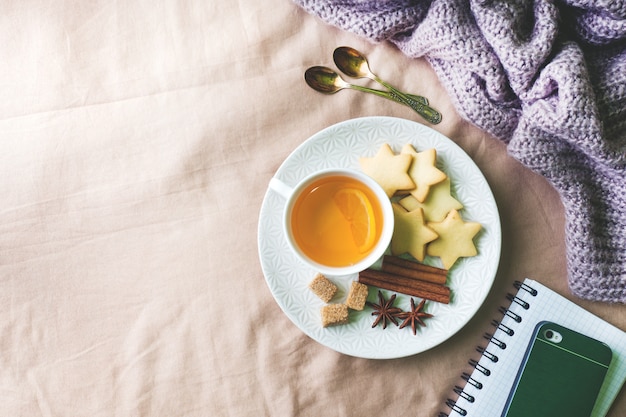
(281, 188)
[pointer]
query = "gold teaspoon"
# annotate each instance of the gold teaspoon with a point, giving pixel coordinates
(354, 64)
(325, 80)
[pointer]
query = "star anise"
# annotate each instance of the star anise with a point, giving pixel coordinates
(385, 310)
(415, 316)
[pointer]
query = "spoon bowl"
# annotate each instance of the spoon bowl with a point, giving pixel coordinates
(352, 63)
(324, 80)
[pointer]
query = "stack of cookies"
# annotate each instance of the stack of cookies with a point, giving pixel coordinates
(427, 218)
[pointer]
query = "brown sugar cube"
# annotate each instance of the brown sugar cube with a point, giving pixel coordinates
(357, 296)
(323, 288)
(334, 314)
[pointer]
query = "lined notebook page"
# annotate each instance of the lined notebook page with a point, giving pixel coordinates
(486, 393)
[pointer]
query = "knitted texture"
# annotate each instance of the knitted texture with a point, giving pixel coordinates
(549, 79)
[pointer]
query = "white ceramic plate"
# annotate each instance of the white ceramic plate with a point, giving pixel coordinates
(470, 279)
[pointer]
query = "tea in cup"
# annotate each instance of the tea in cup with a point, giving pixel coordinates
(338, 221)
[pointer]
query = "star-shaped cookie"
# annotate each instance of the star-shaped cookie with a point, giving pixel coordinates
(455, 239)
(389, 170)
(438, 203)
(423, 171)
(410, 233)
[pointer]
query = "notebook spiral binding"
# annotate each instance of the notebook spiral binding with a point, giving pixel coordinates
(490, 351)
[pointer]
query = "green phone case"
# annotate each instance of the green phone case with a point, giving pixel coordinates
(558, 377)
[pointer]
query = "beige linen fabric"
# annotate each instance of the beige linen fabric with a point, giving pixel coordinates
(137, 139)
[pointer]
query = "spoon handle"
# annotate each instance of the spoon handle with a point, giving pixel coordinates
(423, 109)
(418, 100)
(427, 112)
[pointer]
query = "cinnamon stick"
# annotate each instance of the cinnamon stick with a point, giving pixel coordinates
(416, 270)
(404, 281)
(404, 285)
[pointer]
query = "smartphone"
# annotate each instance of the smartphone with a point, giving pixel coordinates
(561, 374)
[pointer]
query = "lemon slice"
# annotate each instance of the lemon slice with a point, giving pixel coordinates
(357, 210)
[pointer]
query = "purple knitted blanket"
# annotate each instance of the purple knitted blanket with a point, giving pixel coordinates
(548, 77)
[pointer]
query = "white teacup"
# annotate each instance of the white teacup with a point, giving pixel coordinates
(337, 221)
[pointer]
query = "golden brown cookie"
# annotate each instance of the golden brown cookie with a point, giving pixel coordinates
(389, 170)
(438, 203)
(455, 239)
(410, 233)
(423, 171)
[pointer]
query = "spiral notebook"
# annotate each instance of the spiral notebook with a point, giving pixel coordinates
(486, 389)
